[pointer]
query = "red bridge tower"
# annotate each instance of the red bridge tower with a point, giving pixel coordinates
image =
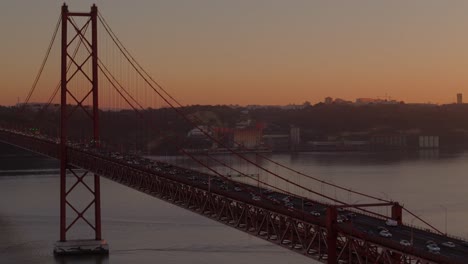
(96, 244)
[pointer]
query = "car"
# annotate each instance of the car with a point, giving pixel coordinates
(308, 203)
(385, 233)
(339, 220)
(298, 246)
(433, 247)
(344, 217)
(340, 209)
(275, 201)
(391, 222)
(351, 215)
(256, 198)
(237, 189)
(381, 228)
(315, 213)
(405, 243)
(286, 199)
(449, 244)
(430, 242)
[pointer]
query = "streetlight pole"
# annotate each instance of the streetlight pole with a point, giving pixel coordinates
(445, 208)
(414, 218)
(303, 212)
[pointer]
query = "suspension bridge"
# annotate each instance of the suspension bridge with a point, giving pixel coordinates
(77, 126)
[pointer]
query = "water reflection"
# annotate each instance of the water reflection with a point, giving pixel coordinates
(426, 180)
(370, 158)
(85, 259)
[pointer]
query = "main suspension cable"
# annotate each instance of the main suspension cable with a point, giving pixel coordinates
(44, 61)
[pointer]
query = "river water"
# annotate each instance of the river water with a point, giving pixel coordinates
(143, 229)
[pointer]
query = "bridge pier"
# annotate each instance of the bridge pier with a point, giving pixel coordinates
(332, 235)
(81, 247)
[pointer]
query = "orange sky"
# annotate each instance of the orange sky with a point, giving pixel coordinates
(263, 51)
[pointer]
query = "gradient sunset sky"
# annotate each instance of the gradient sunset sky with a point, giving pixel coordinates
(264, 51)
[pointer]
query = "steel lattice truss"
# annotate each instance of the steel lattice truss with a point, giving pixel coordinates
(275, 226)
(66, 112)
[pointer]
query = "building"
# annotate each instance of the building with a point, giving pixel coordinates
(342, 101)
(277, 142)
(36, 107)
(428, 141)
(199, 132)
(295, 137)
(459, 98)
(366, 101)
(391, 141)
(249, 138)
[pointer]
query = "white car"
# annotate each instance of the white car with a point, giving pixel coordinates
(405, 243)
(315, 213)
(385, 233)
(381, 228)
(391, 222)
(433, 247)
(448, 244)
(298, 246)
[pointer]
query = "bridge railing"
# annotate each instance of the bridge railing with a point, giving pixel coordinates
(49, 147)
(450, 236)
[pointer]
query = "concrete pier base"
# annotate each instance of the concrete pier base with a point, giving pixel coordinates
(81, 247)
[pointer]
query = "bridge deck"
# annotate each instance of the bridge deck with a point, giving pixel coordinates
(300, 226)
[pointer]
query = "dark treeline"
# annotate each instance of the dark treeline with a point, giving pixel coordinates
(338, 118)
(164, 130)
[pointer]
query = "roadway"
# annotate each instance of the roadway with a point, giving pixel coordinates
(359, 224)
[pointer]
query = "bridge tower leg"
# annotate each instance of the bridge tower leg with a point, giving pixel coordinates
(332, 235)
(397, 213)
(96, 244)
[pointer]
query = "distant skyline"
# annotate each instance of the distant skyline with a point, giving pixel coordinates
(266, 52)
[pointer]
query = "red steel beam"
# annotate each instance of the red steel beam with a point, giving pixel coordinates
(79, 14)
(97, 185)
(63, 126)
(364, 205)
(66, 115)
